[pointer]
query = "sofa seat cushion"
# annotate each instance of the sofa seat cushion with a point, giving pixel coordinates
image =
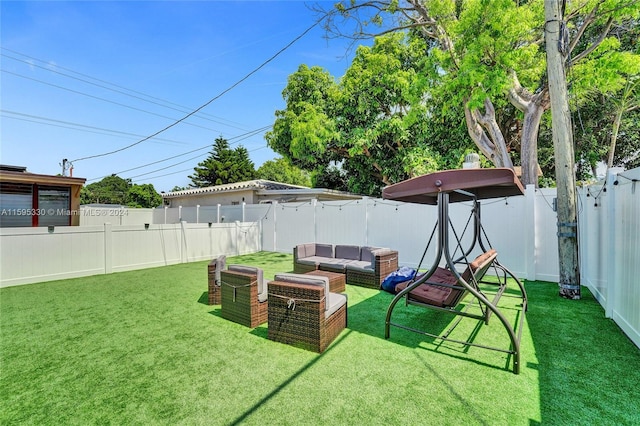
(429, 294)
(312, 260)
(360, 266)
(338, 265)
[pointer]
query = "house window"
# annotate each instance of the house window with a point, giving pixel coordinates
(56, 203)
(15, 204)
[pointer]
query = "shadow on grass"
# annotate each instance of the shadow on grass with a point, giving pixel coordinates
(368, 317)
(588, 369)
(291, 378)
(204, 298)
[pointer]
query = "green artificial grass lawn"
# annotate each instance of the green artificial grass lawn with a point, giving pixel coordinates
(143, 347)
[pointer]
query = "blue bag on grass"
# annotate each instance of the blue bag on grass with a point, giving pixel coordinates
(402, 274)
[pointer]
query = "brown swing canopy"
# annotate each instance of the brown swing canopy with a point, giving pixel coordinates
(482, 183)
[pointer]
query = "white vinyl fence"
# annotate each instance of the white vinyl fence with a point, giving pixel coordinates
(522, 229)
(29, 255)
(610, 247)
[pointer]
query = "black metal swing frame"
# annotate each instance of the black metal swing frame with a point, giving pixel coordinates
(444, 188)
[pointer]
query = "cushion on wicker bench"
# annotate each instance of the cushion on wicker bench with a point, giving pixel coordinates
(262, 285)
(333, 301)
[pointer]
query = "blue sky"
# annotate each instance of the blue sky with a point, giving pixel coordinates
(81, 79)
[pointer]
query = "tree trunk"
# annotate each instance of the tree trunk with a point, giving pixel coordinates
(614, 137)
(569, 277)
(493, 145)
(529, 144)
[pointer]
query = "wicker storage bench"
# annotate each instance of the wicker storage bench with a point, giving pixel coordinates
(244, 295)
(303, 313)
(364, 266)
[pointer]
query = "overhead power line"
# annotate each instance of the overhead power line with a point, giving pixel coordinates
(237, 139)
(115, 88)
(102, 99)
(175, 123)
(75, 126)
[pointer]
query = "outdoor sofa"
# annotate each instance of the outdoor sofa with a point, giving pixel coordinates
(364, 266)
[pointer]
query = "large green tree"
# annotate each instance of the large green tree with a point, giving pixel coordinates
(116, 190)
(144, 195)
(373, 127)
(110, 190)
(281, 170)
(487, 55)
(223, 165)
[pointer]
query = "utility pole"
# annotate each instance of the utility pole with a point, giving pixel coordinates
(64, 166)
(557, 49)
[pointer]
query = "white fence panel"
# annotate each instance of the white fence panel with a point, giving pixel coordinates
(294, 224)
(269, 235)
(248, 237)
(594, 207)
(626, 306)
(29, 255)
(170, 216)
(256, 212)
(611, 248)
(188, 214)
(135, 247)
(208, 214)
(231, 214)
(340, 222)
(546, 238)
(116, 216)
(204, 242)
(505, 224)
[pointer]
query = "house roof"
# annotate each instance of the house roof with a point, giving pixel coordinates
(18, 174)
(266, 188)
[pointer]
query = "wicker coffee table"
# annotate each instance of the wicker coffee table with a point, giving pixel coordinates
(337, 280)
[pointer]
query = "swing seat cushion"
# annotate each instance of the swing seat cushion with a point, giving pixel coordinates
(433, 294)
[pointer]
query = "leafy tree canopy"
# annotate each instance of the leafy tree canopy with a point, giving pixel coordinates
(116, 190)
(281, 170)
(224, 165)
(375, 122)
(144, 195)
(489, 58)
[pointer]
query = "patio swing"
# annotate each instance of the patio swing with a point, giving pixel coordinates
(444, 288)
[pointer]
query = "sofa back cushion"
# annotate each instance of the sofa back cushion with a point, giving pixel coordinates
(347, 252)
(366, 253)
(306, 250)
(324, 250)
(221, 262)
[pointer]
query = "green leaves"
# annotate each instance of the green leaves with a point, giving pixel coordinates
(374, 122)
(224, 165)
(116, 190)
